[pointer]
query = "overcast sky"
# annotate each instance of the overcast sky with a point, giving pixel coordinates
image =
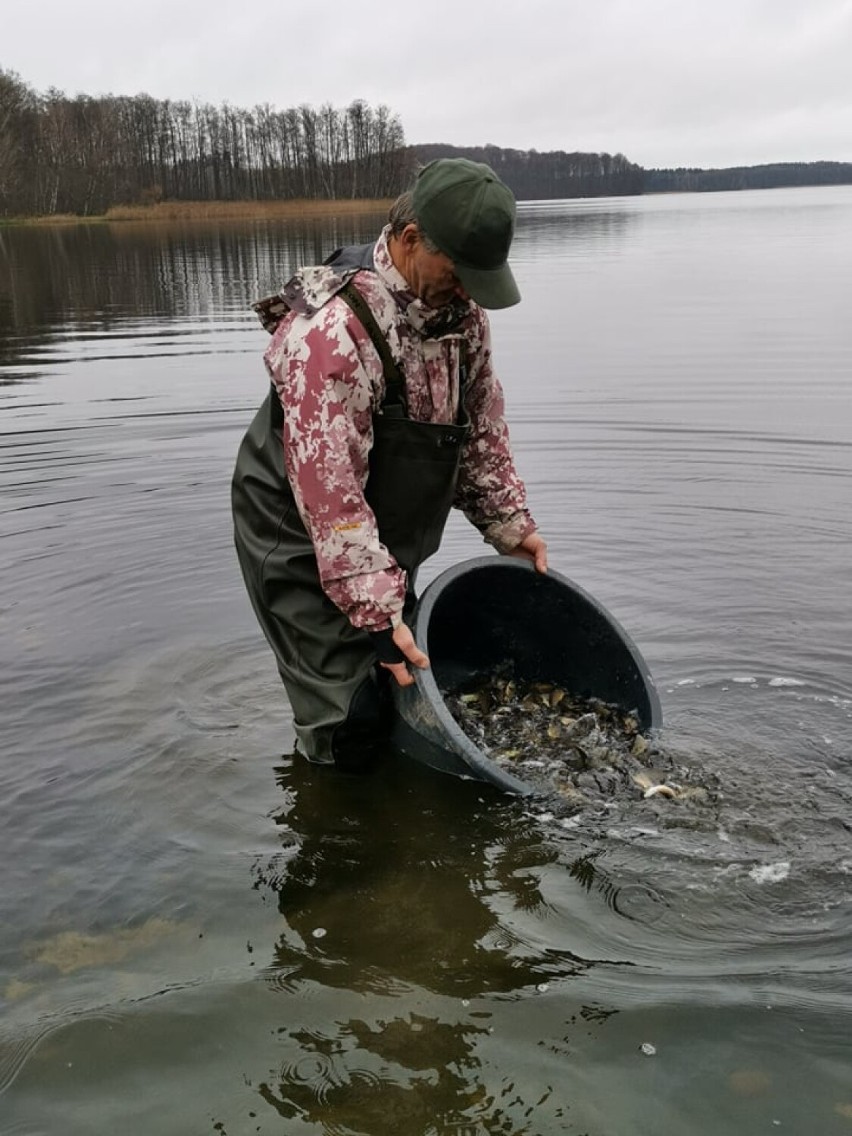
(666, 82)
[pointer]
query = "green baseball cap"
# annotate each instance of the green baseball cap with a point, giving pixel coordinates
(465, 209)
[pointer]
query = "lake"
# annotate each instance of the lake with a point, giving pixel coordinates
(201, 934)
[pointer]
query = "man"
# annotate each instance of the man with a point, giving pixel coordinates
(383, 413)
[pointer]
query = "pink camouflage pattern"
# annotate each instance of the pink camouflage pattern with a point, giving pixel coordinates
(328, 377)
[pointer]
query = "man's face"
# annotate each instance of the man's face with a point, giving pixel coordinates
(432, 277)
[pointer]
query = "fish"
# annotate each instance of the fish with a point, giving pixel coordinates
(580, 748)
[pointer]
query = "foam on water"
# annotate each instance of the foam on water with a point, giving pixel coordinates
(770, 873)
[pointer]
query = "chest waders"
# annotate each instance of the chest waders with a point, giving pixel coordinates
(339, 700)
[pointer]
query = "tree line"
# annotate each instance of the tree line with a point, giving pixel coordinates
(533, 176)
(769, 176)
(538, 176)
(82, 155)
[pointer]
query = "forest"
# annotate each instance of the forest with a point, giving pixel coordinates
(536, 176)
(767, 176)
(83, 155)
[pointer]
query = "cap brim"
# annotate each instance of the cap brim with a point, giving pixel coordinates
(489, 287)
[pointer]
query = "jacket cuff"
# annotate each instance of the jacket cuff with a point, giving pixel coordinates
(507, 535)
(385, 648)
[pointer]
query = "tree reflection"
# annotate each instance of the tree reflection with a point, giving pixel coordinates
(99, 277)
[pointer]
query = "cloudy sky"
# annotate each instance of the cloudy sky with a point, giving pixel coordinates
(666, 82)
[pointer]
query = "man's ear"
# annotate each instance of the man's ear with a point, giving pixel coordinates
(409, 236)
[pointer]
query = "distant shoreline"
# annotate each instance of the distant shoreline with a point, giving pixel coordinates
(213, 211)
(302, 208)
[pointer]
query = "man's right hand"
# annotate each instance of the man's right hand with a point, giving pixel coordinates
(403, 639)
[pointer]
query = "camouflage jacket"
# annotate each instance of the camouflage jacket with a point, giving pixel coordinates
(328, 377)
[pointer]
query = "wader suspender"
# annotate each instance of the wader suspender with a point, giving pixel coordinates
(394, 402)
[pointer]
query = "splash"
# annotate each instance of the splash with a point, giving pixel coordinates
(770, 873)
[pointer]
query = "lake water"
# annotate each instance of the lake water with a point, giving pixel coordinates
(200, 934)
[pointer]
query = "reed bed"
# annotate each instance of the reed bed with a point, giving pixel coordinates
(214, 211)
(243, 210)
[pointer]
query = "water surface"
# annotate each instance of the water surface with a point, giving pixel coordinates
(200, 934)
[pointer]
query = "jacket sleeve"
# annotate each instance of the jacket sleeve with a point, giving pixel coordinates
(327, 379)
(490, 492)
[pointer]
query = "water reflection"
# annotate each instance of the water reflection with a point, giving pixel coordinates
(422, 897)
(403, 882)
(413, 1075)
(573, 227)
(90, 279)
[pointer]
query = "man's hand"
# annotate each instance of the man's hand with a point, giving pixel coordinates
(534, 548)
(403, 638)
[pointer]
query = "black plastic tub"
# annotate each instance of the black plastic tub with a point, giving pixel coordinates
(492, 611)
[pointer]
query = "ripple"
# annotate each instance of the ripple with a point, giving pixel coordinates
(15, 1051)
(637, 902)
(14, 1054)
(282, 979)
(316, 1072)
(701, 909)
